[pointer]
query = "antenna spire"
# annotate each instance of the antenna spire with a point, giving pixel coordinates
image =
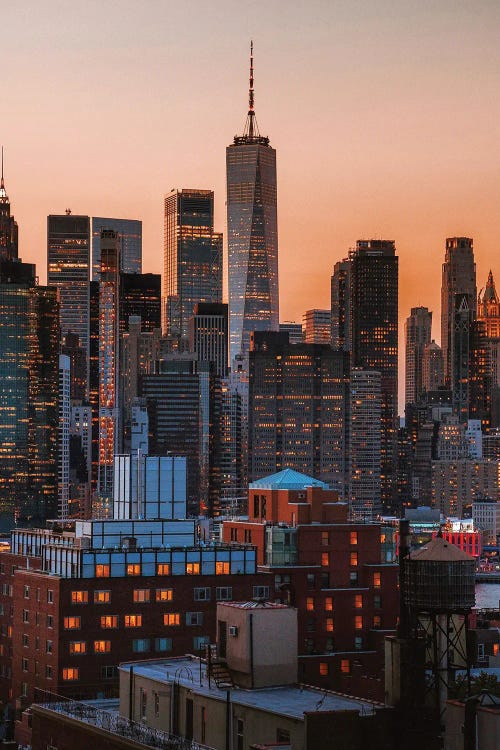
(251, 132)
(251, 100)
(2, 183)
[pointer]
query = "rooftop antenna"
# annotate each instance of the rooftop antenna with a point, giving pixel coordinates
(2, 183)
(251, 100)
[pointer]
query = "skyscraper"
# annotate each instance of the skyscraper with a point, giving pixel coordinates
(140, 295)
(374, 339)
(130, 236)
(8, 226)
(489, 315)
(458, 277)
(208, 335)
(317, 326)
(432, 367)
(252, 234)
(192, 270)
(340, 304)
(68, 269)
(364, 445)
(417, 335)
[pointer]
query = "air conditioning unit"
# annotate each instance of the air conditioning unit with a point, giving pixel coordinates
(233, 630)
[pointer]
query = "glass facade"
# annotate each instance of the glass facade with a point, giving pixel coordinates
(130, 234)
(140, 295)
(192, 257)
(252, 240)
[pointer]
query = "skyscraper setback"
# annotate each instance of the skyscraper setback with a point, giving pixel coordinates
(252, 234)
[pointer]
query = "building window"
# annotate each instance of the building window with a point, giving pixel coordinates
(157, 704)
(171, 618)
(26, 615)
(309, 644)
(323, 668)
(224, 593)
(109, 621)
(133, 569)
(78, 647)
(329, 604)
(260, 592)
(325, 579)
(102, 597)
(324, 539)
(358, 601)
(200, 641)
(70, 674)
(24, 664)
(26, 640)
(202, 595)
(109, 672)
(48, 671)
(376, 580)
(358, 643)
(164, 595)
(163, 569)
(353, 559)
(377, 621)
(329, 645)
(50, 621)
(496, 649)
(358, 622)
(282, 736)
(194, 618)
(353, 537)
(234, 534)
(102, 647)
(140, 645)
(192, 569)
(325, 559)
(79, 597)
(480, 651)
(311, 580)
(310, 604)
(133, 621)
(256, 506)
(345, 666)
(26, 592)
(102, 571)
(353, 577)
(141, 595)
(163, 644)
(248, 536)
(222, 568)
(48, 647)
(240, 736)
(72, 623)
(50, 596)
(329, 624)
(377, 601)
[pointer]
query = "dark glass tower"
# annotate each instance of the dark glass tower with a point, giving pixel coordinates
(140, 294)
(130, 234)
(252, 234)
(374, 339)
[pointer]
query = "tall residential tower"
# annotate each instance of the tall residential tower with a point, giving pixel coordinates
(459, 277)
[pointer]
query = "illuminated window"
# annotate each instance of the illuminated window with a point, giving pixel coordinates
(324, 538)
(102, 597)
(358, 601)
(79, 597)
(377, 621)
(310, 603)
(323, 669)
(329, 624)
(163, 569)
(376, 580)
(164, 595)
(358, 622)
(193, 569)
(102, 647)
(172, 618)
(329, 604)
(496, 649)
(78, 647)
(325, 559)
(353, 559)
(70, 673)
(133, 621)
(345, 666)
(354, 537)
(222, 568)
(102, 571)
(141, 595)
(133, 569)
(72, 623)
(109, 621)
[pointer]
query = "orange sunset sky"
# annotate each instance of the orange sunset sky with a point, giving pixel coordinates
(385, 116)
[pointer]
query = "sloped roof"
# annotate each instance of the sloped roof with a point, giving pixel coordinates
(440, 550)
(288, 479)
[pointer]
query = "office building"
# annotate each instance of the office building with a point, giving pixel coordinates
(294, 331)
(70, 346)
(489, 317)
(68, 269)
(417, 336)
(458, 277)
(364, 444)
(341, 305)
(298, 409)
(374, 339)
(149, 487)
(8, 226)
(317, 327)
(140, 296)
(63, 463)
(192, 270)
(460, 341)
(252, 239)
(458, 484)
(209, 335)
(432, 367)
(129, 232)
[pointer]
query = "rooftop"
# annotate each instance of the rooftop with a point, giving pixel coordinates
(439, 550)
(288, 700)
(288, 479)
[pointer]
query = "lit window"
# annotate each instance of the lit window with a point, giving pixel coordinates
(78, 647)
(345, 666)
(164, 595)
(163, 569)
(353, 559)
(102, 647)
(70, 673)
(79, 597)
(172, 618)
(141, 595)
(193, 569)
(329, 604)
(102, 597)
(358, 622)
(310, 603)
(353, 537)
(358, 601)
(325, 559)
(102, 571)
(222, 568)
(72, 623)
(324, 538)
(329, 624)
(133, 569)
(133, 621)
(377, 621)
(376, 580)
(496, 649)
(323, 669)
(109, 621)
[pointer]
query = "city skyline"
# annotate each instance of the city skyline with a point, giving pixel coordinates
(434, 166)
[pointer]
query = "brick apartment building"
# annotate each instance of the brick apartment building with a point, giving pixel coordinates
(334, 572)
